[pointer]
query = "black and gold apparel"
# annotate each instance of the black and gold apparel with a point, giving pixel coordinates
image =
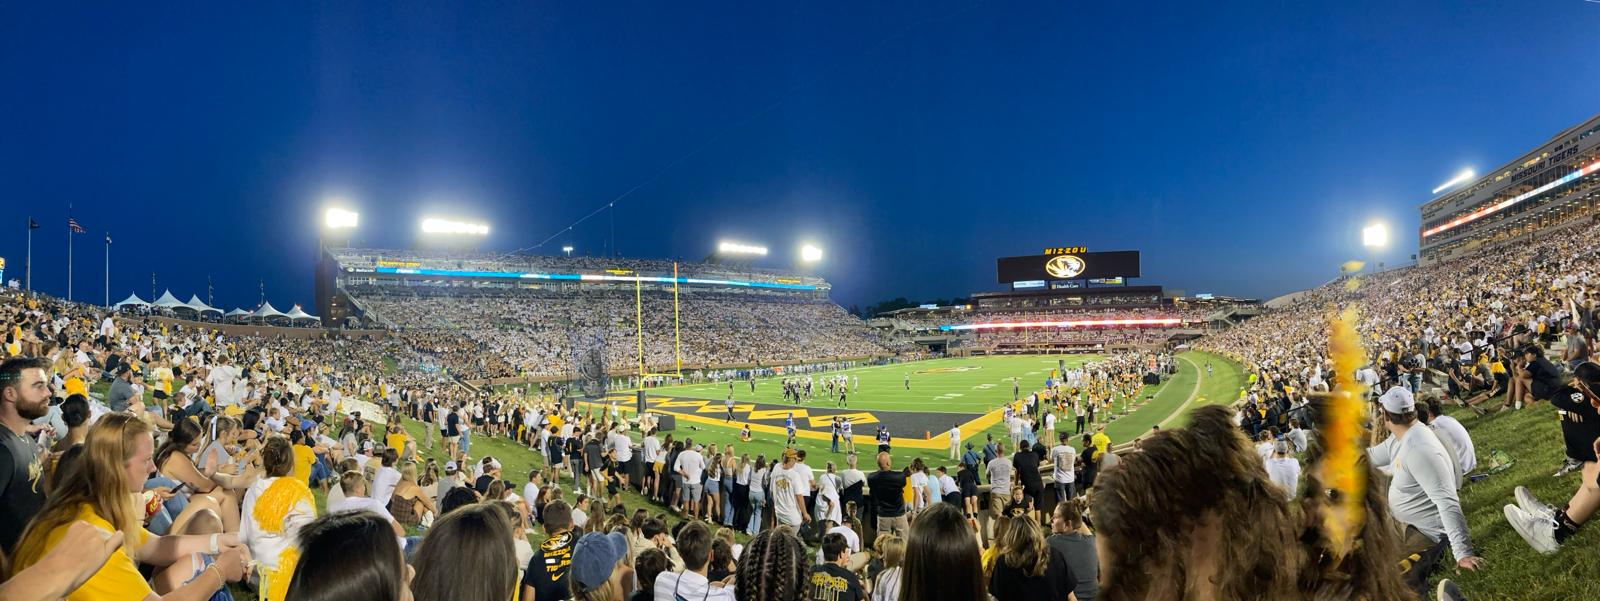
(829, 582)
(547, 571)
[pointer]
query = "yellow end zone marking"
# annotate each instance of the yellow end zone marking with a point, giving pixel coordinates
(724, 408)
(776, 413)
(819, 421)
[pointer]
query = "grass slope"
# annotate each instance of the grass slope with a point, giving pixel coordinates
(1533, 439)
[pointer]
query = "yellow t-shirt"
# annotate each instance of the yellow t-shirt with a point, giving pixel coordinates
(396, 441)
(1100, 442)
(303, 458)
(117, 579)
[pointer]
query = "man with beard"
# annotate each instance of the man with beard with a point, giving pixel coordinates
(24, 396)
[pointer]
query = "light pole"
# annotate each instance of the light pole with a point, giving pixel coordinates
(1374, 237)
(567, 249)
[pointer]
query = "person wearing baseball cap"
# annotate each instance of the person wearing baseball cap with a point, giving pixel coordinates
(1422, 492)
(600, 567)
(1545, 527)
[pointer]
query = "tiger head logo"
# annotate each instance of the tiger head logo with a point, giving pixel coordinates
(1064, 267)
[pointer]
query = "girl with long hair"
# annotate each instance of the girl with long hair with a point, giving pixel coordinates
(103, 489)
(1027, 568)
(174, 461)
(350, 556)
(942, 558)
(467, 555)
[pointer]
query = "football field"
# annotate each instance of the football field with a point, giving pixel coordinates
(957, 385)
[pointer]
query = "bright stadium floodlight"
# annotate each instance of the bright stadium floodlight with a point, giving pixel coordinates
(567, 249)
(810, 253)
(1459, 178)
(433, 225)
(1375, 236)
(739, 248)
(336, 218)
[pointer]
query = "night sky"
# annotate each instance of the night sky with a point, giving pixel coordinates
(1240, 147)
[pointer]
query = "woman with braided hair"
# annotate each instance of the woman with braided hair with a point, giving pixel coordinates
(773, 567)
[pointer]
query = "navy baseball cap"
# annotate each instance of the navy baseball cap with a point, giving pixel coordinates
(595, 557)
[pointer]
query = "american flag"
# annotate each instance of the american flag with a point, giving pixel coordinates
(72, 225)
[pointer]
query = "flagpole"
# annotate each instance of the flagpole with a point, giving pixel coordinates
(27, 266)
(69, 264)
(108, 269)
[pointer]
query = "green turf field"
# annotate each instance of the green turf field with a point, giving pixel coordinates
(956, 385)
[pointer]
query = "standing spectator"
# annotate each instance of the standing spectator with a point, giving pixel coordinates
(1284, 469)
(885, 486)
(690, 466)
(1029, 569)
(1026, 462)
(942, 559)
(1072, 537)
(999, 472)
(1063, 457)
(788, 504)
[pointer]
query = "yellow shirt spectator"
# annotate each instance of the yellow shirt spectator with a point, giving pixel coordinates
(303, 458)
(119, 578)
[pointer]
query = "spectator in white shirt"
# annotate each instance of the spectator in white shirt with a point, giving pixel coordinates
(1284, 469)
(386, 478)
(354, 486)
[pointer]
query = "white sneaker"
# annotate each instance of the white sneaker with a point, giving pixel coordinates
(1531, 504)
(1536, 531)
(1448, 591)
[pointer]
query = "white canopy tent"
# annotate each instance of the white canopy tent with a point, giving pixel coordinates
(266, 311)
(133, 300)
(200, 306)
(168, 301)
(298, 314)
(238, 313)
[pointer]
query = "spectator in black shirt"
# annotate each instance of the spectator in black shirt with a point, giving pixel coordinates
(1026, 461)
(887, 488)
(967, 481)
(545, 577)
(1028, 569)
(1545, 527)
(24, 396)
(1538, 380)
(831, 581)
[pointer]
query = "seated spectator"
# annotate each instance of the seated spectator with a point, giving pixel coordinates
(118, 453)
(647, 566)
(773, 568)
(942, 559)
(1028, 568)
(274, 510)
(600, 568)
(350, 556)
(466, 555)
(694, 543)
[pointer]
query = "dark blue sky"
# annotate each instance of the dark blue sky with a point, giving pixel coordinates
(1240, 147)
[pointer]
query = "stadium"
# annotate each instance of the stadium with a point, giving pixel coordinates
(934, 355)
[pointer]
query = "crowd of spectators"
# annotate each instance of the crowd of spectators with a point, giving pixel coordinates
(533, 333)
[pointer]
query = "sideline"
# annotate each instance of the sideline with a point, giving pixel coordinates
(1199, 376)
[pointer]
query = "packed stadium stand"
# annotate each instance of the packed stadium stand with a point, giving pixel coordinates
(524, 316)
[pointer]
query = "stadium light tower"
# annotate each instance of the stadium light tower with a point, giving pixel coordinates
(435, 225)
(740, 248)
(810, 253)
(567, 249)
(336, 218)
(1375, 236)
(1460, 178)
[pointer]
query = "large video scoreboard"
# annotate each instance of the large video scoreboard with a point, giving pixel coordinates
(1068, 263)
